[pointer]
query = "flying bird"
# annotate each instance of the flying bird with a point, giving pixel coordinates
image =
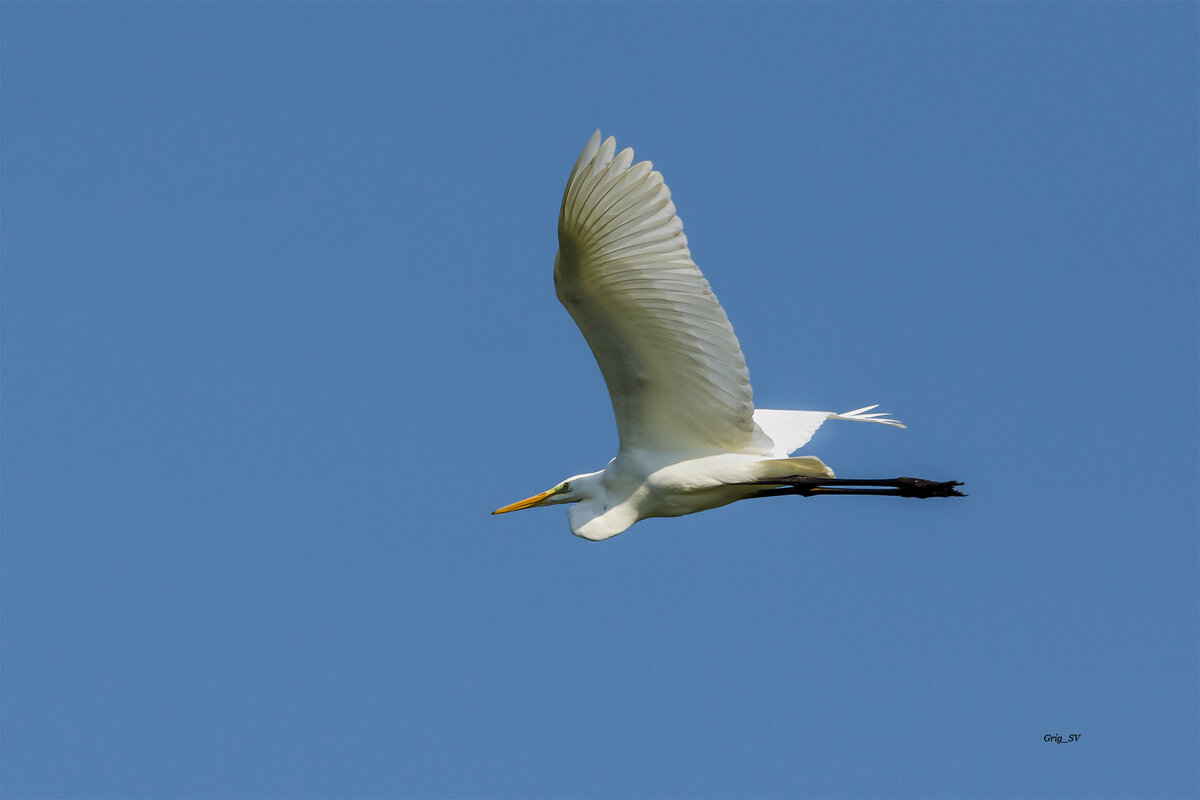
(690, 436)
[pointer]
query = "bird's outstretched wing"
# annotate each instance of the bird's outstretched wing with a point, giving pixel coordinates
(672, 364)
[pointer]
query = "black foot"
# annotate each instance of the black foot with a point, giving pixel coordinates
(887, 487)
(919, 487)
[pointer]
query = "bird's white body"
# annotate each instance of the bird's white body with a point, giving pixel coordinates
(637, 486)
(690, 437)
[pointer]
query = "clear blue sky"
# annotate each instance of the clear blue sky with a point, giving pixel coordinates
(279, 332)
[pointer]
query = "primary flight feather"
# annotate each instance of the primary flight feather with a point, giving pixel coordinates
(690, 437)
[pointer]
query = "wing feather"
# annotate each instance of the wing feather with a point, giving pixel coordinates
(673, 366)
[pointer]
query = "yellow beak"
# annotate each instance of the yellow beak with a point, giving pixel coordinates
(528, 502)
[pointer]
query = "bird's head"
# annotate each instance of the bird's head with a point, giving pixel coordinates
(572, 490)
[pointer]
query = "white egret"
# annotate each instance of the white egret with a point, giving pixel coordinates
(690, 437)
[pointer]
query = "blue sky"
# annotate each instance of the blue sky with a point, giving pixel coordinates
(279, 332)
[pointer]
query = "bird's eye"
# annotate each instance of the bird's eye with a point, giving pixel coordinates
(565, 486)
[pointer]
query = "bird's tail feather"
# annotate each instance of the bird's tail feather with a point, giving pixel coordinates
(783, 432)
(858, 415)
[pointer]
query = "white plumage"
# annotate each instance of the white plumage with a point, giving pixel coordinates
(690, 437)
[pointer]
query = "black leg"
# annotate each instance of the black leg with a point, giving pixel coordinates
(886, 487)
